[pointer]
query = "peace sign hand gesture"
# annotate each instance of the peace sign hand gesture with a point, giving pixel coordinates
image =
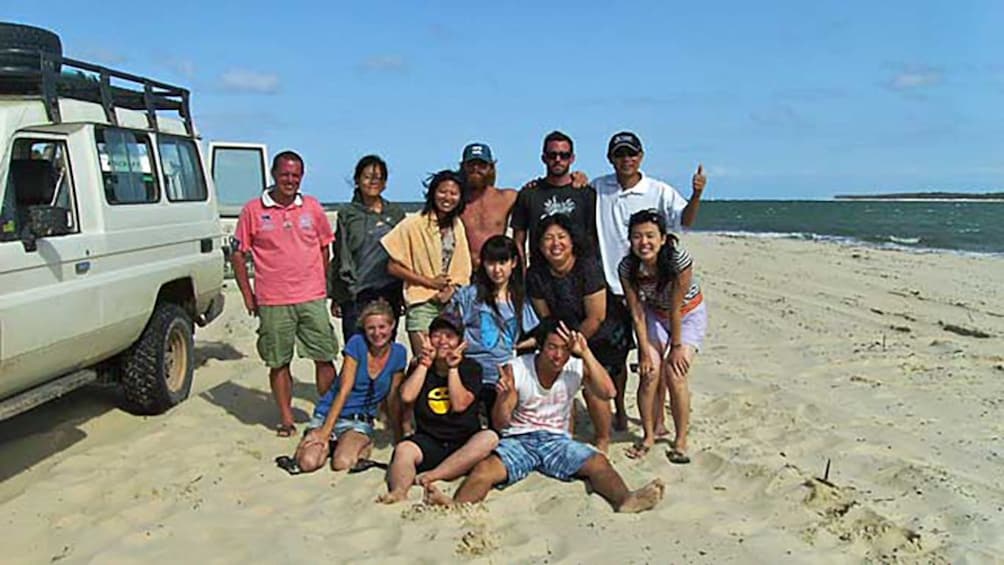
(427, 353)
(507, 382)
(575, 341)
(455, 356)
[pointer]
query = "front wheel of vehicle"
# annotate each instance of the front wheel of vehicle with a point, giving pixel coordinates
(157, 370)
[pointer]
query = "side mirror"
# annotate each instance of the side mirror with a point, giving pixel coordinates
(44, 221)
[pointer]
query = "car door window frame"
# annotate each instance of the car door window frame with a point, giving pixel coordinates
(140, 136)
(196, 166)
(10, 192)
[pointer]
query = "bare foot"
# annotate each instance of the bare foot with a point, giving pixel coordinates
(425, 479)
(435, 497)
(660, 430)
(620, 422)
(392, 497)
(644, 498)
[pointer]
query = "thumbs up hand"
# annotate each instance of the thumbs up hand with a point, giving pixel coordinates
(699, 180)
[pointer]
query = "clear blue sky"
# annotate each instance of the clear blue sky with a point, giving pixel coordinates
(777, 99)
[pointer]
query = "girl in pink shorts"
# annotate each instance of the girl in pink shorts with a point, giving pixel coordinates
(669, 318)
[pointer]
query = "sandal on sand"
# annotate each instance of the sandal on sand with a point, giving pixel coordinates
(637, 451)
(288, 464)
(285, 430)
(364, 464)
(678, 457)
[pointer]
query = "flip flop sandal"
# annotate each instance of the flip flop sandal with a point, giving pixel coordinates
(288, 464)
(285, 430)
(366, 464)
(677, 457)
(637, 451)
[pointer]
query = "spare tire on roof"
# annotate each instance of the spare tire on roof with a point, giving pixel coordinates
(20, 46)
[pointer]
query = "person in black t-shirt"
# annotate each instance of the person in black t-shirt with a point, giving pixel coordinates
(443, 387)
(554, 194)
(569, 285)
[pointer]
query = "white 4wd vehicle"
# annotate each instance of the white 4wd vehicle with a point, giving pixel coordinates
(110, 239)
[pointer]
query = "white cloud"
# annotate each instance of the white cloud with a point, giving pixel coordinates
(384, 63)
(912, 79)
(243, 80)
(779, 116)
(183, 67)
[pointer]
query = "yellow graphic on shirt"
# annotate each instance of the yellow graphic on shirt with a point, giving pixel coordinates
(439, 400)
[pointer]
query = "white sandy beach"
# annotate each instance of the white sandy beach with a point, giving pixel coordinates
(815, 351)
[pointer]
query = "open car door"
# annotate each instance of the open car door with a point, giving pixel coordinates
(240, 173)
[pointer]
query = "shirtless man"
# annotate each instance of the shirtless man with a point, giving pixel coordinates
(487, 211)
(488, 207)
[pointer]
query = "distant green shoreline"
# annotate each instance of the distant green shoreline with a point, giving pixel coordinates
(923, 196)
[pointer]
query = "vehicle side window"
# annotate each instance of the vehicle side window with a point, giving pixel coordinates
(126, 166)
(38, 176)
(179, 159)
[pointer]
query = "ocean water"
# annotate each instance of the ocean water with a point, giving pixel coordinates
(974, 227)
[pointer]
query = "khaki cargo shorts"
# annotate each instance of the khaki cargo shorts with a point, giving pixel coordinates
(419, 316)
(305, 325)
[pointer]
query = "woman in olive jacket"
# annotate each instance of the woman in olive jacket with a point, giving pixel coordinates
(359, 266)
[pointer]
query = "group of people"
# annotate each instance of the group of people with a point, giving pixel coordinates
(504, 331)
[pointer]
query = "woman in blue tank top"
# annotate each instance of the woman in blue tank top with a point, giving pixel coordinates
(342, 425)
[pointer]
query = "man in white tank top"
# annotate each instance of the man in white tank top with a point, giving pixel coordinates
(533, 408)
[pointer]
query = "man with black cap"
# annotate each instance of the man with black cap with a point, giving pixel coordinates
(629, 190)
(488, 207)
(618, 196)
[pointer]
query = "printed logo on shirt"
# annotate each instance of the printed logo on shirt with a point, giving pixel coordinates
(553, 206)
(306, 222)
(380, 229)
(266, 222)
(490, 334)
(439, 400)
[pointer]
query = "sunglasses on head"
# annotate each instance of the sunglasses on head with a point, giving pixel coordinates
(563, 155)
(642, 216)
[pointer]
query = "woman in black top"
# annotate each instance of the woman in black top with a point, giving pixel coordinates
(569, 285)
(443, 387)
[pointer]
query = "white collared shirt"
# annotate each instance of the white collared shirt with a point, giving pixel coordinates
(614, 207)
(268, 202)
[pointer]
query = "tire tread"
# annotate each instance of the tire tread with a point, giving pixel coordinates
(142, 381)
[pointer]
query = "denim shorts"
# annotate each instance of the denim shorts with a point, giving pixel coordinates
(554, 455)
(343, 425)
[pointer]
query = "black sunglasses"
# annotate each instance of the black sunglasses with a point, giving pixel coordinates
(626, 152)
(563, 155)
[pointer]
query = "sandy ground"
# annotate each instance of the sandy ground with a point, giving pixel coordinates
(816, 352)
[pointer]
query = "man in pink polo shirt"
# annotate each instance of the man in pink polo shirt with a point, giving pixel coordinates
(289, 239)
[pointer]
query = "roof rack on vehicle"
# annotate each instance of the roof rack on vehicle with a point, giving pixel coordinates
(60, 77)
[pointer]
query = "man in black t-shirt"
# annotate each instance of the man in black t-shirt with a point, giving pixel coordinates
(443, 387)
(553, 195)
